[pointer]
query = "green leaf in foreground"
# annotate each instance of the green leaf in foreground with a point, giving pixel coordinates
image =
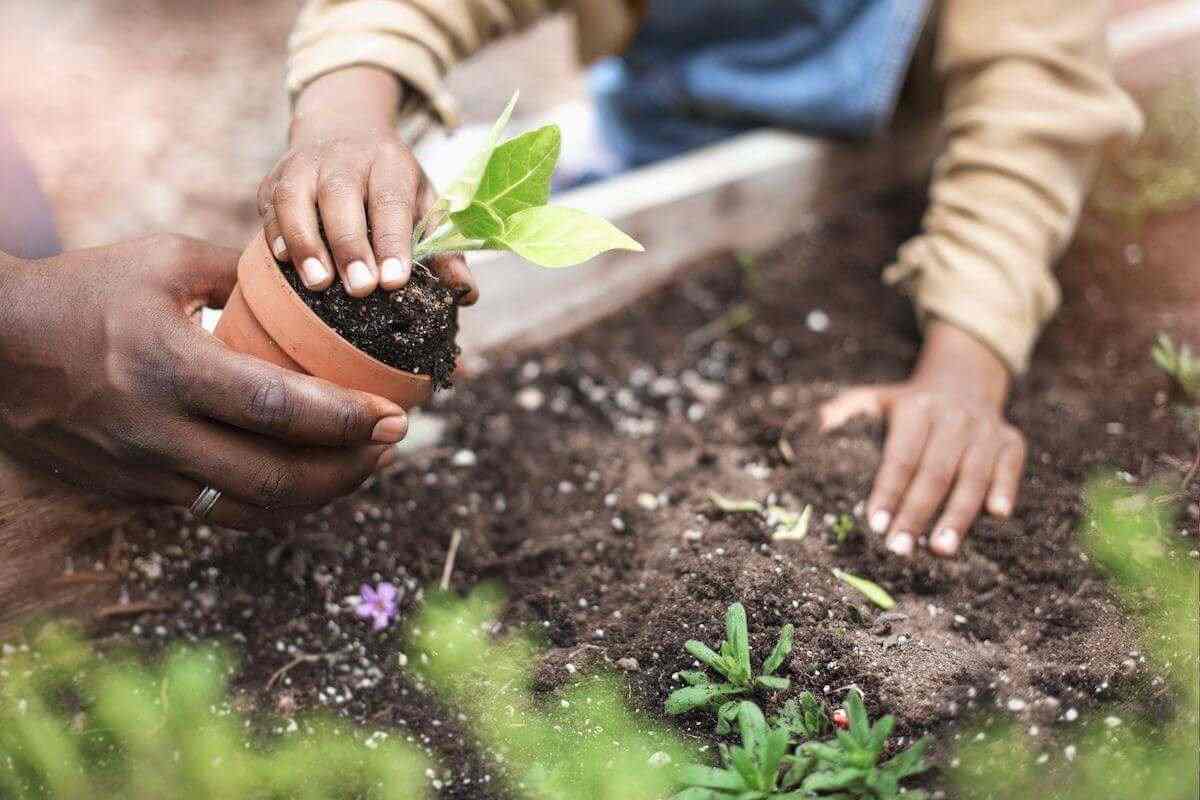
(551, 236)
(517, 177)
(872, 591)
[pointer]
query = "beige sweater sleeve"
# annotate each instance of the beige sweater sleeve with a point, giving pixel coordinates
(1029, 102)
(418, 40)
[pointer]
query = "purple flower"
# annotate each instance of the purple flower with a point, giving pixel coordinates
(378, 604)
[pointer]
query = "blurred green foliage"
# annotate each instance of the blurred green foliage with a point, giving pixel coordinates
(581, 744)
(1112, 757)
(76, 725)
(1161, 171)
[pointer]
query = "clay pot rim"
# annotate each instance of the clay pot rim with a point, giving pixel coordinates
(261, 275)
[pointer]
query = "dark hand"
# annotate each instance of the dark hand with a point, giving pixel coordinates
(948, 444)
(350, 174)
(110, 384)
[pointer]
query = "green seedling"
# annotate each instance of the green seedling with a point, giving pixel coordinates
(869, 589)
(844, 527)
(732, 663)
(848, 766)
(761, 769)
(803, 717)
(501, 202)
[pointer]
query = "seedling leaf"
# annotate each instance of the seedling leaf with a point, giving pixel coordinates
(517, 177)
(555, 237)
(804, 717)
(459, 194)
(738, 635)
(869, 589)
(782, 650)
(792, 527)
(706, 656)
(690, 698)
(734, 506)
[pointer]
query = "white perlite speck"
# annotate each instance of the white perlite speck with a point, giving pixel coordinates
(465, 458)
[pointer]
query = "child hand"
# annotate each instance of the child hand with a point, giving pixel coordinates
(350, 176)
(948, 444)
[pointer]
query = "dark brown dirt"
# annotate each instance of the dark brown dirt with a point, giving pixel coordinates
(586, 499)
(413, 328)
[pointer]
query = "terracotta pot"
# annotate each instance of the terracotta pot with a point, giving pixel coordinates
(266, 318)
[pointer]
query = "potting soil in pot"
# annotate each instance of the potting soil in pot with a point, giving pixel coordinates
(413, 328)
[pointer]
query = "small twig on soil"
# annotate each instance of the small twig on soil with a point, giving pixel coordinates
(728, 322)
(451, 554)
(85, 578)
(133, 609)
(302, 658)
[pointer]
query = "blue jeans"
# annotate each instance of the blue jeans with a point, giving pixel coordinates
(702, 70)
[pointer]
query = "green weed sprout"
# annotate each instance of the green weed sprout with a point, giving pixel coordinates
(803, 717)
(78, 726)
(733, 664)
(844, 527)
(845, 768)
(849, 767)
(761, 769)
(500, 202)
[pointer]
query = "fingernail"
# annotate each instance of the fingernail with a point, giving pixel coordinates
(945, 542)
(387, 458)
(394, 273)
(880, 521)
(279, 248)
(358, 275)
(313, 272)
(901, 544)
(390, 430)
(1000, 506)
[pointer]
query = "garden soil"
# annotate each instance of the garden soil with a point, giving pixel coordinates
(579, 478)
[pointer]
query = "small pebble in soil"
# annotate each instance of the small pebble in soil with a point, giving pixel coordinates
(530, 398)
(648, 501)
(628, 664)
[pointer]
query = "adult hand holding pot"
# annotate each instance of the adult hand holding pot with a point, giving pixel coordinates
(109, 383)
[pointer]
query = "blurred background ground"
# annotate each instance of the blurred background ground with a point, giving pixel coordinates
(146, 116)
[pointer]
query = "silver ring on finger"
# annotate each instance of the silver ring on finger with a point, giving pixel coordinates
(202, 506)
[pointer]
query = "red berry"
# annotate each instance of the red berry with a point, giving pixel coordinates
(840, 719)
